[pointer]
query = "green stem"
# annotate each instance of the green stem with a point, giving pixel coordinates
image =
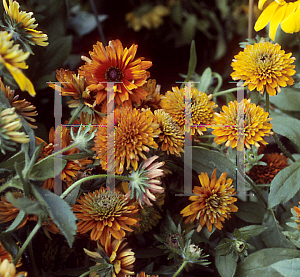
(77, 112)
(268, 103)
(92, 270)
(256, 190)
(79, 182)
(283, 149)
(224, 92)
(27, 241)
(180, 268)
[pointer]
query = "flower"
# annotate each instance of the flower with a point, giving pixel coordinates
(297, 211)
(116, 64)
(134, 132)
(264, 174)
(264, 66)
(202, 108)
(8, 269)
(9, 212)
(147, 16)
(149, 215)
(143, 274)
(72, 167)
(105, 212)
(5, 255)
(153, 95)
(278, 12)
(212, 203)
(22, 25)
(144, 182)
(23, 107)
(254, 127)
(117, 257)
(10, 123)
(13, 59)
(170, 137)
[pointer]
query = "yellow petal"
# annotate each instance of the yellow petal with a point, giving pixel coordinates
(266, 16)
(290, 24)
(23, 82)
(276, 19)
(261, 4)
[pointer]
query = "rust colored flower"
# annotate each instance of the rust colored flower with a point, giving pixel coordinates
(9, 212)
(22, 107)
(246, 118)
(171, 138)
(212, 203)
(134, 133)
(105, 212)
(119, 256)
(264, 66)
(8, 269)
(153, 97)
(264, 174)
(202, 109)
(116, 64)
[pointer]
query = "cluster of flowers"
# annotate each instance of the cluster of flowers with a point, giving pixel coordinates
(144, 120)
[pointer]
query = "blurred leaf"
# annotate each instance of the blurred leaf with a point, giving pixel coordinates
(226, 264)
(252, 212)
(288, 127)
(288, 267)
(285, 185)
(252, 230)
(288, 99)
(176, 13)
(188, 28)
(59, 211)
(274, 237)
(205, 80)
(258, 263)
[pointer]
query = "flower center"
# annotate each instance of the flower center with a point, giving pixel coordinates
(113, 74)
(214, 201)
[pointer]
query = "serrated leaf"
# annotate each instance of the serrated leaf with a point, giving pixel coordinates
(59, 211)
(252, 230)
(226, 265)
(205, 80)
(288, 99)
(258, 263)
(44, 169)
(285, 185)
(252, 212)
(288, 127)
(288, 268)
(273, 236)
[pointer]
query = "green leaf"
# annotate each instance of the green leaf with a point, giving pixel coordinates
(76, 156)
(212, 160)
(288, 127)
(44, 169)
(59, 211)
(252, 230)
(17, 221)
(285, 185)
(192, 62)
(189, 28)
(294, 237)
(288, 268)
(252, 212)
(288, 99)
(9, 164)
(226, 264)
(205, 80)
(258, 263)
(274, 237)
(72, 196)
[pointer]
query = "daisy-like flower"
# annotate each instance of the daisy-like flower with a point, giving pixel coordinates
(134, 133)
(22, 25)
(13, 59)
(153, 95)
(105, 212)
(278, 12)
(8, 269)
(9, 212)
(256, 125)
(117, 257)
(264, 66)
(171, 137)
(297, 211)
(10, 123)
(202, 108)
(212, 203)
(145, 182)
(22, 107)
(116, 64)
(72, 167)
(147, 16)
(143, 274)
(264, 174)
